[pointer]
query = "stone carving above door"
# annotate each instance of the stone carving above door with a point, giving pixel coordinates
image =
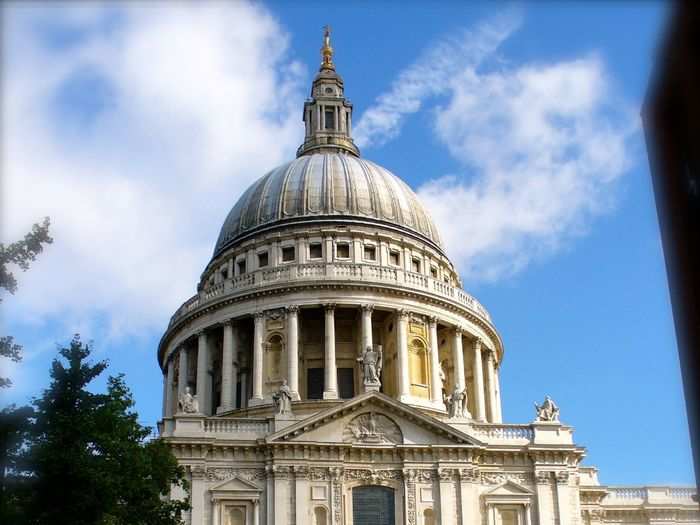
(373, 428)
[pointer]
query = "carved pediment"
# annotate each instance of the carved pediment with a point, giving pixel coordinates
(509, 488)
(236, 485)
(372, 419)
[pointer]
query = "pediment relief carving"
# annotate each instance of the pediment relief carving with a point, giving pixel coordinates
(236, 484)
(394, 423)
(372, 428)
(510, 489)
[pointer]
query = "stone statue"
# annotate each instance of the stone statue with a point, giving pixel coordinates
(188, 403)
(283, 399)
(457, 404)
(547, 411)
(371, 362)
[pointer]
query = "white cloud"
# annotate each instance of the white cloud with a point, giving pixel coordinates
(135, 128)
(541, 146)
(432, 74)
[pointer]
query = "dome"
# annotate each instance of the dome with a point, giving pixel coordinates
(328, 187)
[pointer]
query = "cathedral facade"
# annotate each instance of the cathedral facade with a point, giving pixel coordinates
(331, 370)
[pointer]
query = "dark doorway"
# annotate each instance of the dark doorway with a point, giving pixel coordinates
(346, 383)
(314, 383)
(373, 505)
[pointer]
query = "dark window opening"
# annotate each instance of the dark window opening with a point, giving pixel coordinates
(415, 265)
(288, 254)
(329, 119)
(346, 383)
(342, 251)
(314, 383)
(241, 267)
(394, 258)
(370, 253)
(315, 251)
(433, 272)
(262, 259)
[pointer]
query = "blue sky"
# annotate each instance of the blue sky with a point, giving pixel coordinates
(136, 128)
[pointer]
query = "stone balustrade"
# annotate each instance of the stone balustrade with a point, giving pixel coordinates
(396, 277)
(220, 427)
(650, 495)
(501, 433)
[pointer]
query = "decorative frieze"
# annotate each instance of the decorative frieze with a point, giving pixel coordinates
(409, 476)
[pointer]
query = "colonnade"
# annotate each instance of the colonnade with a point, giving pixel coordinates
(485, 388)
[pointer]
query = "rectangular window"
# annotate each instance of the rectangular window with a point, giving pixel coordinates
(288, 253)
(224, 272)
(262, 259)
(370, 253)
(315, 250)
(415, 265)
(433, 272)
(241, 266)
(329, 118)
(346, 383)
(314, 383)
(508, 517)
(394, 257)
(342, 250)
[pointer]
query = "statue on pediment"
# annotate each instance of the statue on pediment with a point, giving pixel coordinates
(283, 399)
(547, 411)
(457, 404)
(371, 362)
(187, 403)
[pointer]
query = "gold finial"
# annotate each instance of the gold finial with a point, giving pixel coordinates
(327, 50)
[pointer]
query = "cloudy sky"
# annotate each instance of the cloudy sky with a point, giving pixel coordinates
(135, 127)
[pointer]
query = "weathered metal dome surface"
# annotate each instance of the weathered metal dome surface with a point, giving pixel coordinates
(328, 187)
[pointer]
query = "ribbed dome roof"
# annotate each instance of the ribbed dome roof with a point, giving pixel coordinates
(328, 187)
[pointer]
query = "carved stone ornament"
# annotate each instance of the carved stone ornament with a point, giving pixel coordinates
(275, 315)
(283, 399)
(199, 472)
(319, 474)
(371, 362)
(281, 471)
(446, 474)
(224, 473)
(543, 477)
(470, 475)
(562, 477)
(301, 472)
(292, 309)
(372, 476)
(498, 478)
(371, 427)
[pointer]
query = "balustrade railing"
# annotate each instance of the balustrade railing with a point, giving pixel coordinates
(648, 494)
(499, 432)
(318, 271)
(219, 426)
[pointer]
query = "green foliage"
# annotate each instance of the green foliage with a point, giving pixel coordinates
(87, 460)
(19, 253)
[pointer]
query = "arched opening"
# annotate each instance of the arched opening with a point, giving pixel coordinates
(320, 516)
(373, 504)
(237, 517)
(418, 368)
(273, 361)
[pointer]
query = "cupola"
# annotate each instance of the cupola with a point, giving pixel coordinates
(327, 113)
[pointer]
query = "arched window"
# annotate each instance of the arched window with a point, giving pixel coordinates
(418, 367)
(237, 517)
(320, 516)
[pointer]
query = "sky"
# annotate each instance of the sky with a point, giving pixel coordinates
(136, 126)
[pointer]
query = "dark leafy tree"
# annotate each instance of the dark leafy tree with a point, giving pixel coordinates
(20, 254)
(86, 458)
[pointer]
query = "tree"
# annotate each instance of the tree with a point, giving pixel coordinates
(88, 460)
(19, 253)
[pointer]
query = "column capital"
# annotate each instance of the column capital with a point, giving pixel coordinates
(403, 314)
(292, 309)
(478, 343)
(329, 307)
(201, 333)
(367, 308)
(226, 322)
(432, 320)
(459, 330)
(258, 316)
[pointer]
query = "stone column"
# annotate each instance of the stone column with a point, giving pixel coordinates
(367, 325)
(203, 373)
(563, 499)
(228, 386)
(479, 401)
(448, 507)
(458, 359)
(182, 372)
(499, 408)
(293, 350)
(402, 355)
(301, 488)
(330, 386)
(435, 382)
(170, 388)
(197, 497)
(257, 397)
(491, 377)
(164, 399)
(282, 495)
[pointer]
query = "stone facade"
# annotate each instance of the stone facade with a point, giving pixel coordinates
(331, 370)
